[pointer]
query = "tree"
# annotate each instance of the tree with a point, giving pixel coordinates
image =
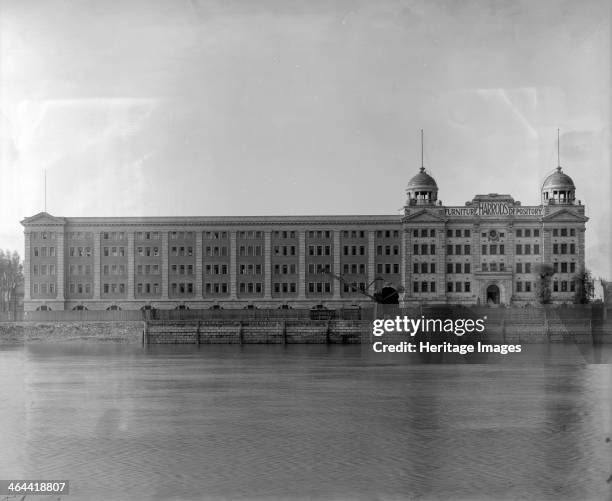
(585, 287)
(11, 277)
(544, 273)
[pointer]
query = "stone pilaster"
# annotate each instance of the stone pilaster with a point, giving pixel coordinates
(97, 258)
(547, 246)
(337, 270)
(404, 261)
(301, 264)
(476, 258)
(441, 262)
(510, 258)
(199, 289)
(59, 265)
(130, 266)
(267, 264)
(407, 275)
(165, 268)
(371, 257)
(26, 267)
(233, 275)
(580, 249)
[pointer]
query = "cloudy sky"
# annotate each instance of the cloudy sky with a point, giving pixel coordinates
(233, 107)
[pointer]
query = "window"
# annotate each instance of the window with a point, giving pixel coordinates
(555, 232)
(449, 267)
(536, 233)
(415, 268)
(519, 233)
(466, 233)
(458, 249)
(415, 286)
(457, 267)
(467, 286)
(423, 267)
(536, 248)
(458, 287)
(519, 249)
(519, 287)
(449, 286)
(466, 249)
(527, 267)
(449, 250)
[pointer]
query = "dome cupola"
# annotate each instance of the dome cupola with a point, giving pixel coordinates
(422, 189)
(558, 188)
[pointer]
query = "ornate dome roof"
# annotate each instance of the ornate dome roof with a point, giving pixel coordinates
(558, 181)
(422, 180)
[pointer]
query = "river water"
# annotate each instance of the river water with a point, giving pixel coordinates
(307, 422)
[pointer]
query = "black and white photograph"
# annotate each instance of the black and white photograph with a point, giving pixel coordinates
(331, 250)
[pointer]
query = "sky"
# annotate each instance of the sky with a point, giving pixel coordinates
(264, 107)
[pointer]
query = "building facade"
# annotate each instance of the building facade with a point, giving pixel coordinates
(487, 251)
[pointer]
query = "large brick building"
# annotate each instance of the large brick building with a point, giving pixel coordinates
(485, 251)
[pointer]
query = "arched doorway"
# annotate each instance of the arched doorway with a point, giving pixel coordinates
(388, 295)
(492, 294)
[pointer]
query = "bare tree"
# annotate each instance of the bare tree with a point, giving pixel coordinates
(11, 277)
(585, 287)
(544, 273)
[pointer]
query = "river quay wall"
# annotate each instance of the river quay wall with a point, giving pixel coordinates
(283, 332)
(70, 332)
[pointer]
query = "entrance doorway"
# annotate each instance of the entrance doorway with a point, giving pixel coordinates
(492, 294)
(388, 295)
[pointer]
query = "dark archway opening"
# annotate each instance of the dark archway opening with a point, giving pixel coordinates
(492, 294)
(387, 295)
